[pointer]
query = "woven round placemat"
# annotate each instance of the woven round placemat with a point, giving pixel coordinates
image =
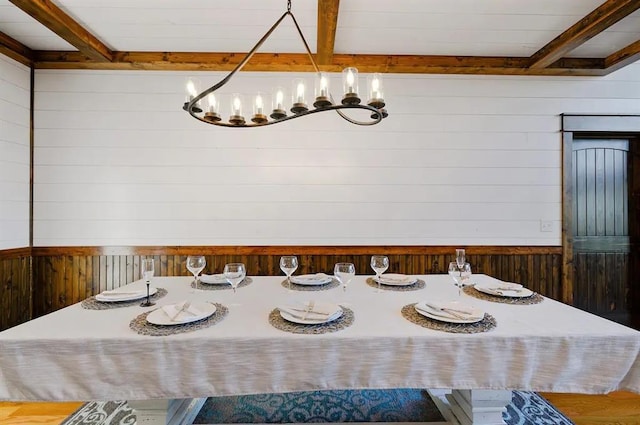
(141, 326)
(484, 325)
(92, 304)
(340, 323)
(533, 299)
(220, 286)
(413, 287)
(296, 287)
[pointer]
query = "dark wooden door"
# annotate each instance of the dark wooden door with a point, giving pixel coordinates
(601, 227)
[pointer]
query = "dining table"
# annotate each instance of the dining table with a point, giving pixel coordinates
(102, 350)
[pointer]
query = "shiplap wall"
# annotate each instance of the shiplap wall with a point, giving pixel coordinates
(460, 160)
(14, 153)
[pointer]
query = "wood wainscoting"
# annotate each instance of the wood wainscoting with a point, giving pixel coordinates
(15, 287)
(66, 275)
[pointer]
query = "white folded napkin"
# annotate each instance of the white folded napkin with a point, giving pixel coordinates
(312, 310)
(123, 293)
(503, 286)
(395, 279)
(213, 279)
(181, 311)
(311, 278)
(450, 309)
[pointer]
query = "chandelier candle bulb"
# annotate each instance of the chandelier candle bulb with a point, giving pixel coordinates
(299, 102)
(258, 110)
(192, 87)
(212, 109)
(278, 104)
(376, 96)
(350, 85)
(322, 91)
(236, 110)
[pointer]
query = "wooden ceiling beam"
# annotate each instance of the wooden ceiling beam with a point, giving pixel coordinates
(591, 25)
(15, 50)
(622, 57)
(327, 24)
(51, 16)
(299, 62)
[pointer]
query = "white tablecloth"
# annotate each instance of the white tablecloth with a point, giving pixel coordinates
(78, 354)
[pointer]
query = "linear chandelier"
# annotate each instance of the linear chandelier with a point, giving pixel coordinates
(205, 106)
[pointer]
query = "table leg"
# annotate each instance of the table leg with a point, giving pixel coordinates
(166, 412)
(479, 407)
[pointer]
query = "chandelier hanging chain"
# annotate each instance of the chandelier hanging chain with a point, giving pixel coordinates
(375, 108)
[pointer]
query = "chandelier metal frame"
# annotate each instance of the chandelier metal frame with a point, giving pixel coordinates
(376, 108)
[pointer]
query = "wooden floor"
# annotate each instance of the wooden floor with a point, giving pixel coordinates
(619, 408)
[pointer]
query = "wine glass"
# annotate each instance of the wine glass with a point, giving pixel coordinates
(234, 273)
(288, 265)
(460, 258)
(147, 269)
(456, 275)
(195, 264)
(465, 275)
(379, 264)
(344, 272)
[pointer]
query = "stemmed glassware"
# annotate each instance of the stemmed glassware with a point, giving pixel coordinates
(344, 272)
(234, 273)
(460, 258)
(460, 275)
(147, 269)
(379, 264)
(195, 264)
(288, 265)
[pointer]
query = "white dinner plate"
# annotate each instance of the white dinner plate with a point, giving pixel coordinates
(311, 279)
(393, 279)
(214, 279)
(296, 314)
(427, 309)
(502, 290)
(197, 311)
(124, 294)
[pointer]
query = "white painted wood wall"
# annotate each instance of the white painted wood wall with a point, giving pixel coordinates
(460, 160)
(14, 153)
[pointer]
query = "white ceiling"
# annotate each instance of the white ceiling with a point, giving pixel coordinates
(420, 27)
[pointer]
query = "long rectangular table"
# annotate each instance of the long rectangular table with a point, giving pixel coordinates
(80, 354)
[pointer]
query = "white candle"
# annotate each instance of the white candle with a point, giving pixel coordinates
(300, 92)
(212, 103)
(191, 89)
(259, 104)
(350, 81)
(236, 106)
(279, 100)
(375, 89)
(323, 86)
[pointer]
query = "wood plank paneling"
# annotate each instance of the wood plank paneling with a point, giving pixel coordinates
(15, 289)
(62, 277)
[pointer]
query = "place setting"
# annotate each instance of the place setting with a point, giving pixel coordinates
(305, 282)
(391, 281)
(503, 292)
(228, 279)
(181, 317)
(453, 316)
(127, 296)
(311, 317)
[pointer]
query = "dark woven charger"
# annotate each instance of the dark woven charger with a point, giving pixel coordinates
(486, 324)
(141, 326)
(92, 304)
(344, 321)
(413, 287)
(533, 299)
(296, 287)
(220, 286)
